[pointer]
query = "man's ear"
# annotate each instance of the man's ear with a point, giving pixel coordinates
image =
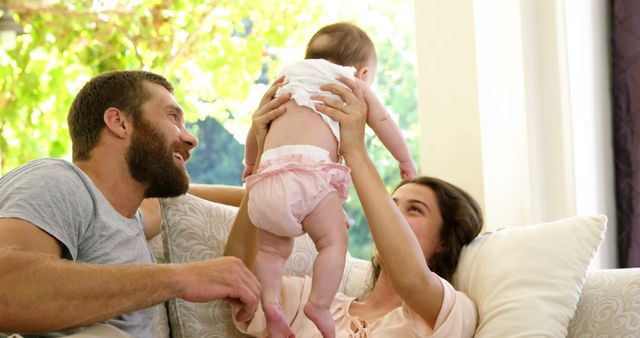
(360, 73)
(116, 122)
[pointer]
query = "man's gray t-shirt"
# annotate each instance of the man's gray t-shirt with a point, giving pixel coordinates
(61, 199)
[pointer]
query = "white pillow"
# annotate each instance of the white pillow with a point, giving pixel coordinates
(526, 280)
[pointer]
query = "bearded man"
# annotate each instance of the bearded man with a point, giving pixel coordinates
(72, 247)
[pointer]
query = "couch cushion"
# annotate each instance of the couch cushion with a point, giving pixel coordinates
(195, 229)
(526, 280)
(609, 305)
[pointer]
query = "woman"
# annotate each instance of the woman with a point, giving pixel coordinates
(418, 232)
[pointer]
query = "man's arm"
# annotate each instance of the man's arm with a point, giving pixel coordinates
(224, 194)
(243, 237)
(250, 154)
(150, 209)
(389, 134)
(39, 292)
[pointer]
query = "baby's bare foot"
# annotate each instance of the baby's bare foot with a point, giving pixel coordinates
(322, 318)
(277, 323)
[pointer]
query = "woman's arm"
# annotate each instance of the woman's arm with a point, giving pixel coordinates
(397, 245)
(224, 194)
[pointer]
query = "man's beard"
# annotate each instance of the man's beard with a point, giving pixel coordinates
(152, 162)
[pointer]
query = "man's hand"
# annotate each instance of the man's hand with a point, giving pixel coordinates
(263, 116)
(271, 92)
(221, 278)
(248, 171)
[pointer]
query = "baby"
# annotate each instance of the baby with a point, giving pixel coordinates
(300, 185)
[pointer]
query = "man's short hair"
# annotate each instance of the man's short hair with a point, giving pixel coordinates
(123, 90)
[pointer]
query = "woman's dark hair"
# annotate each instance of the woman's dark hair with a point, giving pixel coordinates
(461, 223)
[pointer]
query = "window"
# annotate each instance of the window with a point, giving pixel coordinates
(219, 56)
(218, 159)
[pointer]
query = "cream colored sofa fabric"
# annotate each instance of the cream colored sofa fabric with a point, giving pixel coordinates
(609, 305)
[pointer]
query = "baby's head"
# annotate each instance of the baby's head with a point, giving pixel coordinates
(347, 45)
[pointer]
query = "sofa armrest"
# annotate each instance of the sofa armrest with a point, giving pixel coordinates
(609, 305)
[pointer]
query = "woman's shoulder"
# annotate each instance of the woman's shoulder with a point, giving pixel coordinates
(456, 303)
(457, 317)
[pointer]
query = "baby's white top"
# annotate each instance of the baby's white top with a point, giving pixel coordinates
(303, 79)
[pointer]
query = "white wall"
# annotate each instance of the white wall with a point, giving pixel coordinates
(448, 94)
(514, 107)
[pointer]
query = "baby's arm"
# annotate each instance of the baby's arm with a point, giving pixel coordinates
(389, 133)
(250, 153)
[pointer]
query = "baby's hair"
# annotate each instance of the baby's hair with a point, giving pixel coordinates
(342, 43)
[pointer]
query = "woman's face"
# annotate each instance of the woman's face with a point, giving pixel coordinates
(419, 206)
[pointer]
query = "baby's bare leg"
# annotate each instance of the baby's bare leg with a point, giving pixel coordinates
(273, 252)
(325, 225)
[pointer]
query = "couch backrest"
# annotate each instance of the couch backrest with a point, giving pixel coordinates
(194, 229)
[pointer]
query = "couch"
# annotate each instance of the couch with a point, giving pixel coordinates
(531, 297)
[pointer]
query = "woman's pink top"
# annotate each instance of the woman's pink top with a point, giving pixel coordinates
(457, 316)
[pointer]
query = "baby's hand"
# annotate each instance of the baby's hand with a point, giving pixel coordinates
(407, 170)
(248, 170)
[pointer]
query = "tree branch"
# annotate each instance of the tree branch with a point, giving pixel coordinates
(206, 21)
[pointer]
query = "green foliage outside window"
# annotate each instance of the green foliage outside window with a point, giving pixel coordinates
(218, 55)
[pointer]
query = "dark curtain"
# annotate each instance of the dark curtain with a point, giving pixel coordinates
(625, 29)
